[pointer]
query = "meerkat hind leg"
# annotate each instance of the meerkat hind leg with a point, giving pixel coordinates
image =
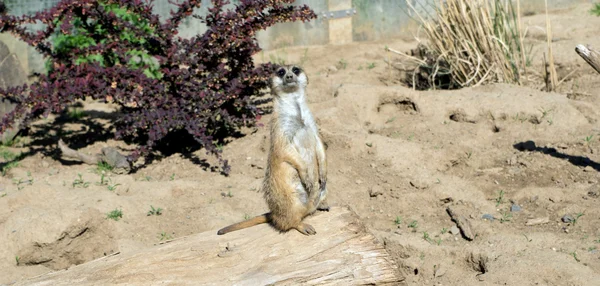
(306, 229)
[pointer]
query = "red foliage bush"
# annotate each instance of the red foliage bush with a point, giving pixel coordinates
(162, 82)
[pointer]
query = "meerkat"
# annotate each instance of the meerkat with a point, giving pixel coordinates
(295, 183)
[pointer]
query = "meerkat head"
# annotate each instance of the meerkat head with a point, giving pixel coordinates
(288, 78)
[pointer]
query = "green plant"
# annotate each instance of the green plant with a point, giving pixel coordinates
(75, 113)
(371, 66)
(588, 139)
(153, 211)
(21, 182)
(164, 236)
(500, 198)
(103, 180)
(574, 254)
(17, 259)
(115, 214)
(342, 64)
(413, 224)
(444, 230)
(426, 237)
(398, 220)
(79, 182)
(506, 217)
(103, 167)
(172, 178)
(110, 186)
(577, 216)
(13, 142)
(11, 158)
(595, 10)
(246, 216)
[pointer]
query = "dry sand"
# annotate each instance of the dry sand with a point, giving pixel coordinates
(397, 157)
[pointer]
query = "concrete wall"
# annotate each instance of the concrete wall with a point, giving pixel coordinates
(375, 20)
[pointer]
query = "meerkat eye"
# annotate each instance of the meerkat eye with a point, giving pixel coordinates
(296, 70)
(281, 72)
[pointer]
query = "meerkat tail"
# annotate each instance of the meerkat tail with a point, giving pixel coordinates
(263, 218)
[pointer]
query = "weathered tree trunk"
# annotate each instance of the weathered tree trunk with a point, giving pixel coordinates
(591, 56)
(341, 253)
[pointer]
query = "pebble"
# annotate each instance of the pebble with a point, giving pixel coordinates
(567, 218)
(375, 191)
(454, 230)
(515, 208)
(358, 182)
(488, 217)
(332, 69)
(536, 221)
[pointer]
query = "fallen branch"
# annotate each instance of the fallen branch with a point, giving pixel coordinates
(109, 155)
(592, 57)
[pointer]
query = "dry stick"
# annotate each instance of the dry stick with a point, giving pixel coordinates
(553, 79)
(523, 62)
(592, 57)
(566, 77)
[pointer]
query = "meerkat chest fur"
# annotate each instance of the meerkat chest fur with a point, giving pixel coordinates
(295, 119)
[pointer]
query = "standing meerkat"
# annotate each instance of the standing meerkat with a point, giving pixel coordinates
(295, 183)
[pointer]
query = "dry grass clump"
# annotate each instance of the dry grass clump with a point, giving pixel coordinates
(469, 43)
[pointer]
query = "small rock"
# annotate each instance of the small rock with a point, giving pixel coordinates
(439, 271)
(332, 69)
(419, 185)
(375, 191)
(567, 218)
(536, 221)
(488, 217)
(373, 165)
(45, 164)
(358, 182)
(454, 230)
(515, 208)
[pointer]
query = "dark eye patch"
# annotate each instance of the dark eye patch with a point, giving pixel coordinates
(281, 72)
(296, 70)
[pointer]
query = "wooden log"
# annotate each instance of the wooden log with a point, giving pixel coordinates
(591, 56)
(341, 253)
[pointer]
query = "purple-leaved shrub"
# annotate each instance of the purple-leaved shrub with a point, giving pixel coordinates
(118, 51)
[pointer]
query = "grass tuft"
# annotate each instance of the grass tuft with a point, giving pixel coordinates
(469, 43)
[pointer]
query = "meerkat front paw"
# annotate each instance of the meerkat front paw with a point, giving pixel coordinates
(323, 206)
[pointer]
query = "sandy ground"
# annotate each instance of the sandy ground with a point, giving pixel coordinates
(397, 157)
